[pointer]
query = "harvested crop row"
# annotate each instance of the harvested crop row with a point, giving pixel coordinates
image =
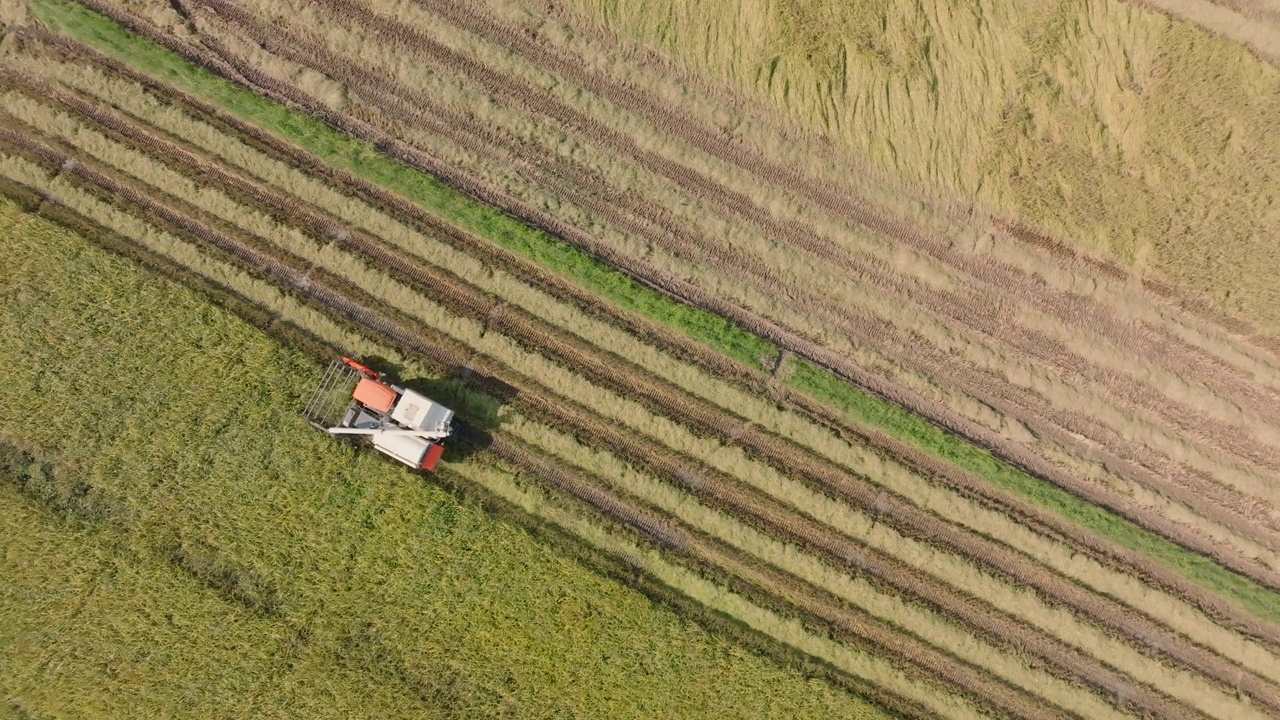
(851, 625)
(1171, 480)
(949, 304)
(543, 50)
(555, 26)
(551, 28)
(526, 44)
(1238, 566)
(1197, 487)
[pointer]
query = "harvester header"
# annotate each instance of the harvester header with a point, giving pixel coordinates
(355, 400)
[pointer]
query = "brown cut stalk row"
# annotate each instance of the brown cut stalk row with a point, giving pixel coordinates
(972, 309)
(836, 197)
(768, 586)
(1086, 313)
(1174, 484)
(1144, 517)
(384, 144)
(1214, 501)
(785, 131)
(865, 631)
(1072, 308)
(961, 481)
(519, 325)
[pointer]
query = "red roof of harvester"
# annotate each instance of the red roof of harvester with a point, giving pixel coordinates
(375, 395)
(433, 456)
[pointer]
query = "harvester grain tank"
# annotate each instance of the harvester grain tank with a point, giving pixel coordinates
(399, 422)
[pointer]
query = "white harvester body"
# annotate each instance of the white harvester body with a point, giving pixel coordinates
(404, 424)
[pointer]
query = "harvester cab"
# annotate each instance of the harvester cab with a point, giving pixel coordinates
(354, 400)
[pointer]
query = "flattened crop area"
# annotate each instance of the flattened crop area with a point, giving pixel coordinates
(897, 442)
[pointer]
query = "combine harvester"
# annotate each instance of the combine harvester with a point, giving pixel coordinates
(404, 424)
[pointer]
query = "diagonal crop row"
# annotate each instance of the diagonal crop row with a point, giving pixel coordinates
(940, 367)
(554, 29)
(1170, 480)
(754, 619)
(831, 192)
(306, 283)
(1006, 283)
(853, 370)
(950, 302)
(1237, 563)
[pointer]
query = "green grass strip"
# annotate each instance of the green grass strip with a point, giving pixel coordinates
(820, 384)
(362, 159)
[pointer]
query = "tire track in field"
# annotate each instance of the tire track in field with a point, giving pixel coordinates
(406, 206)
(1165, 349)
(835, 198)
(973, 309)
(1180, 483)
(316, 285)
(1012, 405)
(868, 632)
(1264, 405)
(474, 307)
(785, 130)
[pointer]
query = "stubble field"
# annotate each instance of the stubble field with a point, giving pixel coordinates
(913, 452)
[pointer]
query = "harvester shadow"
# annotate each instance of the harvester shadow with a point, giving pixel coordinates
(460, 388)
